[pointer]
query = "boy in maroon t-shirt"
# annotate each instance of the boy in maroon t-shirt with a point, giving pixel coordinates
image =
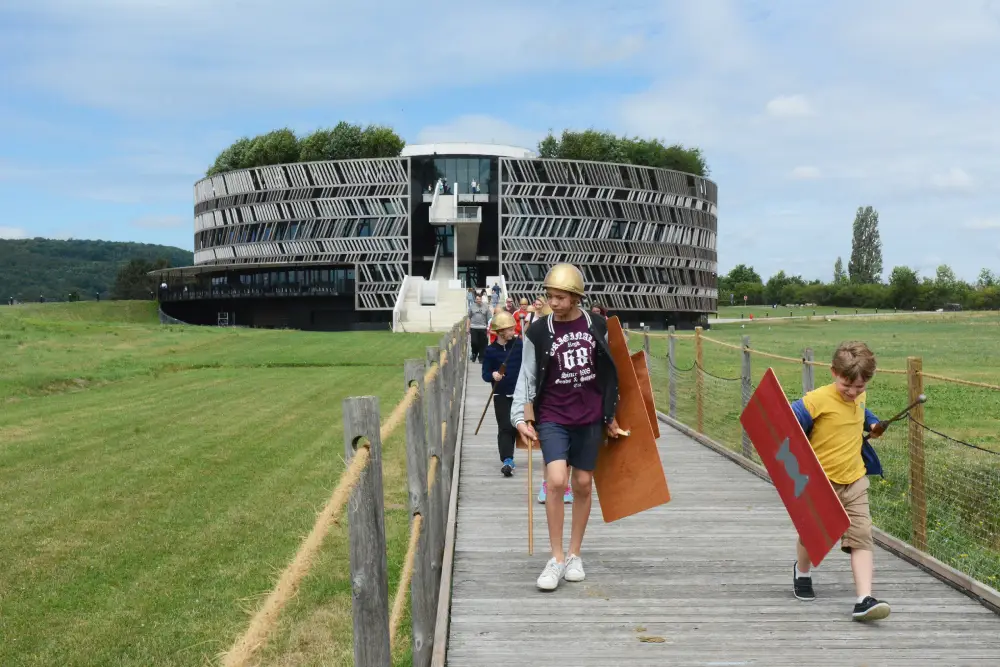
(568, 376)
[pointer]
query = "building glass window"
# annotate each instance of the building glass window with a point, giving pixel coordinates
(464, 186)
(484, 176)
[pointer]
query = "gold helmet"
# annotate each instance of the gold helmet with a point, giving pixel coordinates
(502, 320)
(524, 302)
(565, 277)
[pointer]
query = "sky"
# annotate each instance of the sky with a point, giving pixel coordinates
(110, 110)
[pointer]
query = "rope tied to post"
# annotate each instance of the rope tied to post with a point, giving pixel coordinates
(398, 413)
(267, 616)
(405, 578)
(265, 619)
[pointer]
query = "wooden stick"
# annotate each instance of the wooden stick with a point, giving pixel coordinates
(485, 408)
(502, 371)
(531, 505)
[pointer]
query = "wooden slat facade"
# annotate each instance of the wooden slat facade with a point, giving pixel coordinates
(703, 580)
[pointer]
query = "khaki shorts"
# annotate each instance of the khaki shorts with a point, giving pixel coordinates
(854, 498)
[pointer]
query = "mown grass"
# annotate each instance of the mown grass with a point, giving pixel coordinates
(767, 312)
(154, 481)
(963, 483)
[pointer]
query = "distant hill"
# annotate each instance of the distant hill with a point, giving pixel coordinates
(33, 267)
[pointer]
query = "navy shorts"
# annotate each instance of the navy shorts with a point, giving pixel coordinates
(577, 445)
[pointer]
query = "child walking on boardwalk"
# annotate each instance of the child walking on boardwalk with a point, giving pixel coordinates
(834, 417)
(569, 382)
(501, 365)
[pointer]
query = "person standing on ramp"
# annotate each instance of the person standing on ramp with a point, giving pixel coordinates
(567, 386)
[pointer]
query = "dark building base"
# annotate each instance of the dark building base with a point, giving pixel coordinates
(305, 314)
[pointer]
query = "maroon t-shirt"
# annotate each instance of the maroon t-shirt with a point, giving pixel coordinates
(571, 395)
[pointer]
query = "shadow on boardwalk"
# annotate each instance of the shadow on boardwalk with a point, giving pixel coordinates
(706, 577)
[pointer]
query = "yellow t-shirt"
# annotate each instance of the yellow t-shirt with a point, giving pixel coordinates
(837, 432)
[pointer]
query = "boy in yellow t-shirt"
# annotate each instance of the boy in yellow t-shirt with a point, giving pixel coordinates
(834, 417)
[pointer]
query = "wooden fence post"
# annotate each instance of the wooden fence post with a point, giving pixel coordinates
(436, 498)
(808, 371)
(746, 377)
(699, 380)
(444, 398)
(672, 370)
(423, 586)
(918, 489)
(645, 342)
(366, 519)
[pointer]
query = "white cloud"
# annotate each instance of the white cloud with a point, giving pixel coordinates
(161, 222)
(899, 114)
(980, 224)
(889, 132)
(171, 58)
(13, 233)
(789, 106)
(130, 173)
(954, 179)
(805, 173)
(481, 129)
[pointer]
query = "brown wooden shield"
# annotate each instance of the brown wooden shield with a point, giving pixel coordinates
(641, 369)
(629, 474)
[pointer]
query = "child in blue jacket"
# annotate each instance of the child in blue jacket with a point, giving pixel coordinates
(501, 365)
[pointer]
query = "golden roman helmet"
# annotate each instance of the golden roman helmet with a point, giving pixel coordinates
(502, 320)
(524, 302)
(565, 277)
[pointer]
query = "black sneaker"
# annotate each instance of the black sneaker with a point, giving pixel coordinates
(870, 609)
(803, 586)
(508, 468)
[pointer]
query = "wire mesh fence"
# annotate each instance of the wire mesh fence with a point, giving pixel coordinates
(938, 492)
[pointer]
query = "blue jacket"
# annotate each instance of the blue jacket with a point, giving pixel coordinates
(494, 356)
(872, 464)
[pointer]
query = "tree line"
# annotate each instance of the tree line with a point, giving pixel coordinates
(607, 147)
(347, 141)
(71, 270)
(344, 141)
(861, 285)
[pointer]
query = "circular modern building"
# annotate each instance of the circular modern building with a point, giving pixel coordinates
(397, 242)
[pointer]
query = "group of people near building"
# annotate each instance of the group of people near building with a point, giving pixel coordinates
(555, 383)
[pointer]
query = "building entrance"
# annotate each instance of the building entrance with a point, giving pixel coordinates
(469, 275)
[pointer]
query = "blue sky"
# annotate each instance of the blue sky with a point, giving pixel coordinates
(111, 109)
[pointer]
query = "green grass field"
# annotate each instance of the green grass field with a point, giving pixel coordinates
(154, 481)
(962, 482)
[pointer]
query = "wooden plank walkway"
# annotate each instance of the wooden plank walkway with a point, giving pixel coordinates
(709, 574)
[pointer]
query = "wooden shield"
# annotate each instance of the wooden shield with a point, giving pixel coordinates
(641, 369)
(629, 474)
(813, 505)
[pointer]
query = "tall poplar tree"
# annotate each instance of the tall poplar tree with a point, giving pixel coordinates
(865, 265)
(839, 275)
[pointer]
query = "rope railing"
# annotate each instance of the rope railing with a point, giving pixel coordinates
(967, 383)
(429, 437)
(399, 602)
(266, 618)
(940, 493)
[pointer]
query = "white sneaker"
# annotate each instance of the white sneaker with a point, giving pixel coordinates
(574, 569)
(553, 572)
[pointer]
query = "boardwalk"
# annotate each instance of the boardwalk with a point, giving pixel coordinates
(703, 580)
